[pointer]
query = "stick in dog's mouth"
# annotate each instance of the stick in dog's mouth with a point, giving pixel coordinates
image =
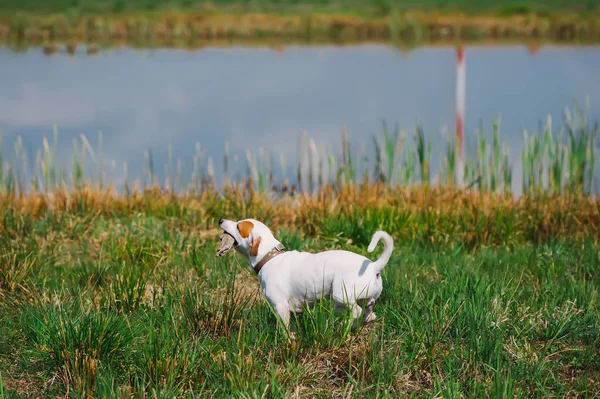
(227, 242)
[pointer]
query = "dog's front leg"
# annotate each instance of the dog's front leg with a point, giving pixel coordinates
(283, 311)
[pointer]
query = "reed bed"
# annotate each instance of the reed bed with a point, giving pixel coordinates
(554, 160)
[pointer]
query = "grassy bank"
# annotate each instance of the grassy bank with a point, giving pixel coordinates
(123, 297)
(164, 23)
(382, 7)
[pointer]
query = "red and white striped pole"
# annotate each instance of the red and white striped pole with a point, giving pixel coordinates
(460, 113)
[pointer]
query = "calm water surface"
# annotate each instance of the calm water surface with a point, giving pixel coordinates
(255, 98)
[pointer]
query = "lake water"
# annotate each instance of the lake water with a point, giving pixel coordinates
(261, 97)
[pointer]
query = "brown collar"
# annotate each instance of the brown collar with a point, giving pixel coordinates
(278, 250)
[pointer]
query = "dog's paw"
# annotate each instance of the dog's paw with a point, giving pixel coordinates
(291, 338)
(370, 318)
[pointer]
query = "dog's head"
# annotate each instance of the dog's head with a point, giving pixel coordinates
(253, 239)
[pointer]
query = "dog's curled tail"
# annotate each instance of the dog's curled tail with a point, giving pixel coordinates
(388, 247)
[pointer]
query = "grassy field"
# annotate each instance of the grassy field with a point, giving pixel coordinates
(106, 294)
(154, 22)
(109, 296)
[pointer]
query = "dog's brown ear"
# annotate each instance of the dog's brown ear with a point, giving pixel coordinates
(254, 249)
(245, 227)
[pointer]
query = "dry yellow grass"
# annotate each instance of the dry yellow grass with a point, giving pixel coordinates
(435, 214)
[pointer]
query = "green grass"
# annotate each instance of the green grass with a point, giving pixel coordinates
(380, 6)
(133, 303)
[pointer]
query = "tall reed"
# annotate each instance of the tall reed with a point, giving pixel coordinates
(553, 161)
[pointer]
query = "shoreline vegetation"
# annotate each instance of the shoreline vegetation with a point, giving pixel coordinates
(148, 23)
(557, 159)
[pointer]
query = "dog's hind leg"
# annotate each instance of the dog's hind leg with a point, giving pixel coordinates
(356, 312)
(369, 314)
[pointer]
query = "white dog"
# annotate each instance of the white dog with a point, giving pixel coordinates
(290, 279)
